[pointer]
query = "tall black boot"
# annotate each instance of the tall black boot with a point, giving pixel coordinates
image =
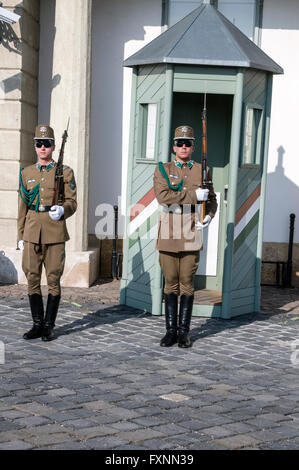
(186, 304)
(171, 315)
(50, 317)
(37, 312)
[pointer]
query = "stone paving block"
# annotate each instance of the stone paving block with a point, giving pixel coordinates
(81, 413)
(16, 445)
(46, 429)
(161, 444)
(287, 432)
(194, 425)
(213, 445)
(131, 446)
(68, 445)
(97, 405)
(104, 419)
(96, 431)
(259, 422)
(61, 417)
(267, 435)
(185, 440)
(104, 443)
(78, 423)
(217, 431)
(277, 417)
(287, 444)
(49, 439)
(150, 420)
(134, 404)
(125, 426)
(12, 436)
(13, 414)
(141, 435)
(239, 428)
(237, 442)
(5, 407)
(121, 413)
(31, 421)
(35, 408)
(169, 429)
(146, 411)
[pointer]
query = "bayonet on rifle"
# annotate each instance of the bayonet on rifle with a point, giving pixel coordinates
(58, 197)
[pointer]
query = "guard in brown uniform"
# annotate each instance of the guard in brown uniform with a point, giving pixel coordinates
(42, 231)
(178, 188)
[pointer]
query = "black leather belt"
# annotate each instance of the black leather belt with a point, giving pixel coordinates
(181, 209)
(41, 208)
(189, 208)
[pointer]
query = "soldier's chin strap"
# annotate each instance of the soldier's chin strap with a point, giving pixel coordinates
(178, 187)
(28, 196)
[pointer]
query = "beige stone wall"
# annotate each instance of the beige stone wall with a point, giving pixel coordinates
(19, 74)
(71, 99)
(18, 107)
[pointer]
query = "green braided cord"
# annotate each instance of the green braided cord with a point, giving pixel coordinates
(178, 187)
(28, 196)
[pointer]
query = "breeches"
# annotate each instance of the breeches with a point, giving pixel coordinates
(52, 257)
(178, 270)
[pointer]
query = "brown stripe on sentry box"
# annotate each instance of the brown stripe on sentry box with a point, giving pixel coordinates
(247, 204)
(142, 204)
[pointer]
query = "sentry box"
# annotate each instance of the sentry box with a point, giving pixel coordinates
(204, 53)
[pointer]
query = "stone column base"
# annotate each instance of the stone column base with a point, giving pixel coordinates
(81, 268)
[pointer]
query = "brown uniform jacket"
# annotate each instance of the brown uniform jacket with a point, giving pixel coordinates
(38, 227)
(180, 209)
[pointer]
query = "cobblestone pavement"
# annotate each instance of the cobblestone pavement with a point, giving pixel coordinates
(105, 383)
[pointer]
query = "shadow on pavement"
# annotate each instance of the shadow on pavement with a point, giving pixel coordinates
(213, 326)
(105, 316)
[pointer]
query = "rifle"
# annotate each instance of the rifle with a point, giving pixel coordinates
(204, 156)
(58, 197)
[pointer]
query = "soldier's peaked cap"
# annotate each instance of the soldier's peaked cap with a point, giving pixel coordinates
(43, 131)
(184, 132)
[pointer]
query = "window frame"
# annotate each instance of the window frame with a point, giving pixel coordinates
(142, 132)
(256, 150)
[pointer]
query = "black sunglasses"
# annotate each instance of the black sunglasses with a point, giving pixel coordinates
(180, 143)
(46, 143)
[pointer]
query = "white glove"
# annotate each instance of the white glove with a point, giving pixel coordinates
(202, 194)
(206, 221)
(21, 245)
(56, 212)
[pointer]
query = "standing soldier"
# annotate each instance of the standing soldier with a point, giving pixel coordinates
(178, 188)
(42, 231)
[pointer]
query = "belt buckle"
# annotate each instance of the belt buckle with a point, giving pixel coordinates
(41, 209)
